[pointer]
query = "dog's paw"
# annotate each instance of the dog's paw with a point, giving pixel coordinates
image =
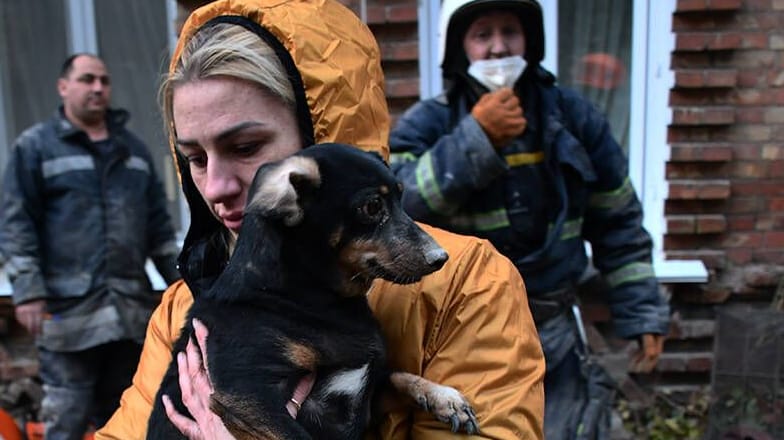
(449, 406)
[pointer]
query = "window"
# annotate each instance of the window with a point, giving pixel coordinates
(617, 53)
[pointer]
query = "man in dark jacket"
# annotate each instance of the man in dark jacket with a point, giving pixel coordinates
(507, 155)
(81, 211)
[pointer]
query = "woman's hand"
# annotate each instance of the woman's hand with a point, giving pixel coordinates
(196, 388)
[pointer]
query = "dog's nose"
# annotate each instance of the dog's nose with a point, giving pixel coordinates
(436, 257)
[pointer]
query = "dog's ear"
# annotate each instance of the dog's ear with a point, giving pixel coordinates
(284, 188)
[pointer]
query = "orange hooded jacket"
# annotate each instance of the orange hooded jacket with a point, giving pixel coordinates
(467, 326)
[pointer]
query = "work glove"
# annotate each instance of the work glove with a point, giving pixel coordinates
(645, 359)
(500, 115)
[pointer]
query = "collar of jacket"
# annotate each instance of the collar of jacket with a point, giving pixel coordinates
(115, 120)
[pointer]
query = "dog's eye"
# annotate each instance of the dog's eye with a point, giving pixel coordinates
(372, 208)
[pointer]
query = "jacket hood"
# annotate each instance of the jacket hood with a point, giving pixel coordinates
(334, 64)
(457, 15)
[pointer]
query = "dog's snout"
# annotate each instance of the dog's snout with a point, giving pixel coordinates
(435, 257)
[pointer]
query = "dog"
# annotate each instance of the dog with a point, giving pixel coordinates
(318, 228)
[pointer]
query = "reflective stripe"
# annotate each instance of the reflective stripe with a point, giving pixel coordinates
(630, 272)
(137, 163)
(572, 228)
(398, 158)
(53, 167)
(427, 185)
(615, 198)
(518, 159)
(15, 265)
(482, 221)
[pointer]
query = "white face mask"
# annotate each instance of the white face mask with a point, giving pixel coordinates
(499, 72)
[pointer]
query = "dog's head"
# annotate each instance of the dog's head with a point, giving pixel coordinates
(338, 212)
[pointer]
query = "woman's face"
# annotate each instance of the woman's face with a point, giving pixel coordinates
(227, 128)
(495, 34)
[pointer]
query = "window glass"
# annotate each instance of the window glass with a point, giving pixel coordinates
(133, 39)
(32, 48)
(595, 56)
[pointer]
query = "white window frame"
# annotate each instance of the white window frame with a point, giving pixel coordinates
(651, 80)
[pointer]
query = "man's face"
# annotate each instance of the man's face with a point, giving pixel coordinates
(495, 34)
(86, 90)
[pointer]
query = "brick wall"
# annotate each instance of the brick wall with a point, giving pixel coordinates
(726, 193)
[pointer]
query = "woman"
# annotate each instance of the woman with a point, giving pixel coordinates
(277, 76)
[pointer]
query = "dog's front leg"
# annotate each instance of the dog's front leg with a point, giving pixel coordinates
(447, 404)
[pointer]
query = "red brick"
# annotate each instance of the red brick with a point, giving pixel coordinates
(772, 152)
(749, 170)
(726, 41)
(685, 152)
(742, 223)
(711, 258)
(770, 221)
(746, 151)
(696, 170)
(759, 188)
(701, 190)
(776, 204)
(739, 256)
(739, 204)
(685, 362)
(763, 59)
(699, 362)
(703, 116)
(400, 51)
(724, 5)
(399, 13)
(773, 239)
(693, 329)
(689, 78)
(692, 41)
(750, 115)
(750, 96)
(742, 240)
(772, 256)
(401, 87)
(750, 133)
(750, 40)
(706, 78)
(681, 224)
(691, 5)
(749, 78)
(707, 5)
(402, 13)
(711, 223)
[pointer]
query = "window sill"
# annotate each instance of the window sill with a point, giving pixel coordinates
(680, 271)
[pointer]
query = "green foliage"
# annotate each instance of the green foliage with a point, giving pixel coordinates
(666, 418)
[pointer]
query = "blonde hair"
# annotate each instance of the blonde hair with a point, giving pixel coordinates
(226, 50)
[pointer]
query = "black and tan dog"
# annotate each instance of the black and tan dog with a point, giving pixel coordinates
(319, 227)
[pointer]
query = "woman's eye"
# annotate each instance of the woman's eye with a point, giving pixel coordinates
(197, 160)
(247, 149)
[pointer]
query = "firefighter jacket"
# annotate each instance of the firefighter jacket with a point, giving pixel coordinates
(563, 182)
(466, 326)
(79, 222)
